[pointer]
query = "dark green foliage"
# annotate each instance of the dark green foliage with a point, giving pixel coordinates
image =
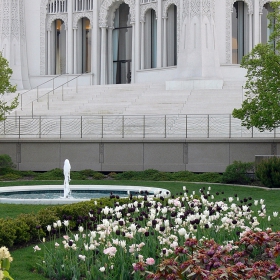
(91, 174)
(268, 172)
(54, 174)
(6, 162)
(10, 177)
(155, 175)
(211, 177)
(238, 173)
(26, 227)
(184, 176)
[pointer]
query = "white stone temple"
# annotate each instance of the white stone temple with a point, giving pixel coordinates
(184, 44)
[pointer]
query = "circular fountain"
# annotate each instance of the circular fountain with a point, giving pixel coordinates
(56, 194)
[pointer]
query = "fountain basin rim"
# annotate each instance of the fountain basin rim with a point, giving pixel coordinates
(73, 187)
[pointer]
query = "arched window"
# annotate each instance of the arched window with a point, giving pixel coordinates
(171, 30)
(84, 46)
(122, 46)
(240, 31)
(58, 51)
(150, 39)
(265, 30)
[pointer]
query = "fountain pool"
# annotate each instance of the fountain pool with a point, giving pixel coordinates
(55, 194)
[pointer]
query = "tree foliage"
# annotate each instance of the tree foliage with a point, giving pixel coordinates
(6, 87)
(261, 108)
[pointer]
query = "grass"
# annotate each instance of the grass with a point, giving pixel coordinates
(23, 266)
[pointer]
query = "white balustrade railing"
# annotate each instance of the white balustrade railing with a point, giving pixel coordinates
(57, 6)
(147, 1)
(61, 6)
(129, 127)
(83, 5)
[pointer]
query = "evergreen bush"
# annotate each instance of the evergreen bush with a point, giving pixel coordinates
(238, 173)
(6, 164)
(268, 172)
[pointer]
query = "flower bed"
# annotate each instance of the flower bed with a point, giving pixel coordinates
(190, 237)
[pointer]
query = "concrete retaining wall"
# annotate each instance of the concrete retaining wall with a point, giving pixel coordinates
(195, 155)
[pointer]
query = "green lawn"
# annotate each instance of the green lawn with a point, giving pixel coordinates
(24, 266)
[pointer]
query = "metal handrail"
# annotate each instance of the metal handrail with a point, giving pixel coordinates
(21, 94)
(37, 99)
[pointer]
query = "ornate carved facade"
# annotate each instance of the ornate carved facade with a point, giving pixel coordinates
(120, 41)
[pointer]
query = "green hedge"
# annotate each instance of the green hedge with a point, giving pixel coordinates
(26, 228)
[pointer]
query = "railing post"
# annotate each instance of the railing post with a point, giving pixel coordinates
(40, 127)
(208, 126)
(229, 126)
(102, 123)
(165, 126)
(252, 132)
(21, 102)
(60, 128)
(5, 126)
(81, 126)
(186, 126)
(144, 126)
(18, 126)
(123, 126)
(274, 130)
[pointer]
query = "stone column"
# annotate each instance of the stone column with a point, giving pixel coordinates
(75, 51)
(250, 32)
(159, 35)
(103, 55)
(142, 45)
(49, 52)
(133, 57)
(70, 37)
(164, 62)
(95, 57)
(110, 55)
(137, 35)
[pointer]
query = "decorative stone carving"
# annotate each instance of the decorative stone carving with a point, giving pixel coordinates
(104, 11)
(167, 4)
(229, 10)
(78, 16)
(261, 3)
(6, 19)
(52, 18)
(145, 8)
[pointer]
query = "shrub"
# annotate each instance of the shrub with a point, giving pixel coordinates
(54, 174)
(6, 162)
(186, 176)
(10, 177)
(238, 173)
(268, 172)
(210, 177)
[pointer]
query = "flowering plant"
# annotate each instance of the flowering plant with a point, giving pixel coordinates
(5, 260)
(189, 236)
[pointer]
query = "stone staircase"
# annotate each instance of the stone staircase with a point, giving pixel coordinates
(133, 99)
